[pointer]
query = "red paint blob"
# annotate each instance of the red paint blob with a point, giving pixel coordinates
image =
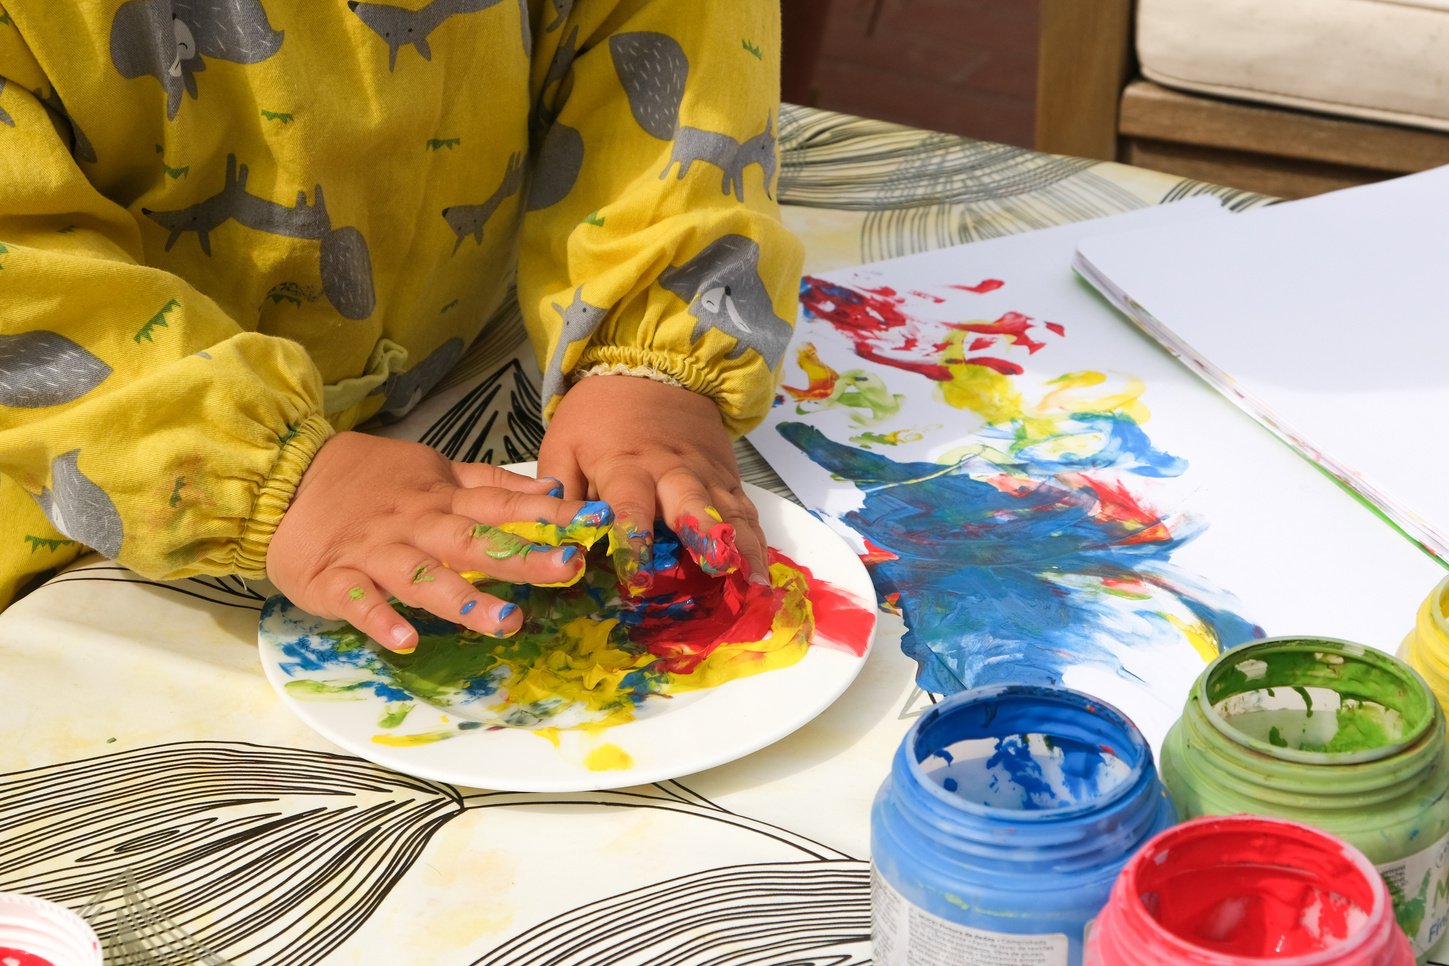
(989, 285)
(689, 613)
(10, 956)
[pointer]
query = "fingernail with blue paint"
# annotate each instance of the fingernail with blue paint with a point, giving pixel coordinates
(595, 513)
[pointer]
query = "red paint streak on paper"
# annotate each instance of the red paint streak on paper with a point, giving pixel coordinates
(989, 285)
(1056, 328)
(1000, 365)
(1013, 325)
(1116, 505)
(874, 554)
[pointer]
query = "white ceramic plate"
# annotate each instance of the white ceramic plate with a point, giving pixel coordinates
(686, 733)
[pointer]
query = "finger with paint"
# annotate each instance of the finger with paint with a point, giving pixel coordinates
(684, 474)
(377, 521)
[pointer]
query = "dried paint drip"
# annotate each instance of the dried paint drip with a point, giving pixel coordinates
(1007, 815)
(589, 656)
(1239, 890)
(1333, 734)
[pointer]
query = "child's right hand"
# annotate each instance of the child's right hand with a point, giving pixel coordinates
(376, 518)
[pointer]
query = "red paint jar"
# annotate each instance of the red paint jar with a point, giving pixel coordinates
(1238, 890)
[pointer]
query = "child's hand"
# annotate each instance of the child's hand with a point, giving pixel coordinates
(377, 518)
(653, 450)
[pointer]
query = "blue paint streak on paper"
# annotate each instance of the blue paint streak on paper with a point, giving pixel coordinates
(980, 572)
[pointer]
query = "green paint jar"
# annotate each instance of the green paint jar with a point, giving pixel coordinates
(1426, 647)
(1331, 734)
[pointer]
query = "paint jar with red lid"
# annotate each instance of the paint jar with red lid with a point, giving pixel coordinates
(1007, 814)
(36, 932)
(1243, 890)
(1332, 734)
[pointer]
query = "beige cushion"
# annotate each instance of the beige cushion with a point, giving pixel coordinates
(1376, 59)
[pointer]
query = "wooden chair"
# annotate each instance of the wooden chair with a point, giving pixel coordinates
(1091, 102)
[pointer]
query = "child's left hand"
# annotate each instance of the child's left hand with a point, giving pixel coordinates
(652, 450)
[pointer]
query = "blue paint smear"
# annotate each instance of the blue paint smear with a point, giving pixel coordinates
(1118, 443)
(991, 583)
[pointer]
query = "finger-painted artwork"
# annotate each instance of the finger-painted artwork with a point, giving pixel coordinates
(989, 436)
(588, 656)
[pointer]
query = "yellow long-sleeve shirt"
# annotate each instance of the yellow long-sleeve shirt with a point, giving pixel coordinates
(228, 229)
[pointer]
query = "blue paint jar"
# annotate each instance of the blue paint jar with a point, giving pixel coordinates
(1006, 817)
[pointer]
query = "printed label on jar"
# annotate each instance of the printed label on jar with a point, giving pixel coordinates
(1419, 884)
(905, 935)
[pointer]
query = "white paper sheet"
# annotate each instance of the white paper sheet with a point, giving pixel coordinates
(1326, 319)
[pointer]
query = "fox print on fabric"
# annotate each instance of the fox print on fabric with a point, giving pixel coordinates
(167, 40)
(346, 266)
(401, 27)
(652, 67)
(78, 508)
(580, 321)
(468, 220)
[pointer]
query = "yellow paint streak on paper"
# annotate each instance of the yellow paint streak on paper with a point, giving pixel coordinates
(1202, 640)
(980, 389)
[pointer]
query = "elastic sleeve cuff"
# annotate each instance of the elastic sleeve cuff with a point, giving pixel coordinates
(742, 394)
(277, 492)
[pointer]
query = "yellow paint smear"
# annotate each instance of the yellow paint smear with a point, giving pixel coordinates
(609, 757)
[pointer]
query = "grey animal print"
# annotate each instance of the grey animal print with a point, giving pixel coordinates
(167, 39)
(401, 27)
(560, 158)
(5, 117)
(406, 389)
(40, 369)
(468, 220)
(66, 127)
(345, 265)
(723, 288)
(558, 73)
(652, 68)
(526, 21)
(580, 321)
(693, 144)
(561, 10)
(79, 509)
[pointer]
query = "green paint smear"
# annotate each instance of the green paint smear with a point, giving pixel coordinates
(1380, 704)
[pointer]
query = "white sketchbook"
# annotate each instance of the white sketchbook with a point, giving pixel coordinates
(1326, 319)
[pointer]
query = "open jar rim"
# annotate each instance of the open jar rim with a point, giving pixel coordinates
(1416, 703)
(1130, 746)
